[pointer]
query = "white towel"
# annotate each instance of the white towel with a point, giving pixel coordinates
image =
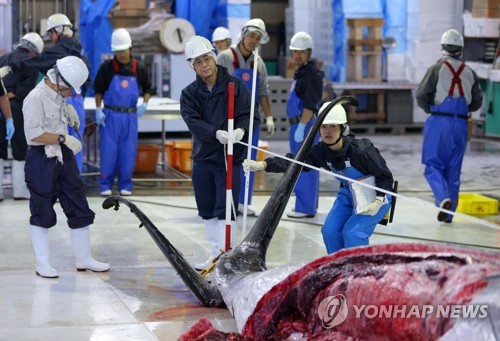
(54, 150)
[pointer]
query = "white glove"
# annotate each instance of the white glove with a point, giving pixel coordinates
(270, 125)
(73, 118)
(222, 136)
(4, 71)
(73, 144)
(254, 166)
(374, 207)
(238, 134)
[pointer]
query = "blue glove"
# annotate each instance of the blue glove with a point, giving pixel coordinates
(141, 109)
(10, 128)
(100, 117)
(299, 133)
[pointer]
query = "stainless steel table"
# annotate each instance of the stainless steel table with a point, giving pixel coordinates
(158, 109)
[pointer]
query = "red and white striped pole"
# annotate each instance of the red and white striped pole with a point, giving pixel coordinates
(229, 172)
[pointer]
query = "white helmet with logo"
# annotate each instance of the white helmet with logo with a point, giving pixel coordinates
(256, 25)
(220, 33)
(73, 72)
(452, 37)
(120, 40)
(32, 42)
(198, 46)
(337, 114)
(58, 20)
(301, 41)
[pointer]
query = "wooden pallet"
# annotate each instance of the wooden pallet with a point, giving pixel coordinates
(365, 49)
(377, 115)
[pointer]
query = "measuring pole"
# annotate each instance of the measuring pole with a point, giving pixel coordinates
(229, 171)
(250, 135)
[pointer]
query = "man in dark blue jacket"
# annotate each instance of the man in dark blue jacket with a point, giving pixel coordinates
(204, 108)
(30, 45)
(28, 71)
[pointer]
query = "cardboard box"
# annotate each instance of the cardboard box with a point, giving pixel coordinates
(485, 3)
(486, 9)
(128, 18)
(134, 4)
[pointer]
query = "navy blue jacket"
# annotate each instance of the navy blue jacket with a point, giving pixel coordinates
(27, 70)
(309, 86)
(18, 55)
(361, 153)
(206, 111)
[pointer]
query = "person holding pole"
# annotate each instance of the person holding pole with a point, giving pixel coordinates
(239, 61)
(204, 108)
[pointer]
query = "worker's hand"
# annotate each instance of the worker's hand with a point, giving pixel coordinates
(374, 207)
(270, 125)
(73, 143)
(4, 71)
(222, 136)
(299, 132)
(238, 134)
(73, 118)
(100, 117)
(9, 128)
(254, 166)
(141, 109)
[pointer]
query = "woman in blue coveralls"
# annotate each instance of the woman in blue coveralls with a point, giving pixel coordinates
(302, 106)
(51, 170)
(204, 109)
(119, 82)
(239, 61)
(340, 152)
(448, 92)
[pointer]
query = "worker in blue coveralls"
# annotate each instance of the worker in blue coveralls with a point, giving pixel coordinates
(302, 106)
(204, 108)
(28, 72)
(51, 170)
(340, 152)
(119, 83)
(239, 61)
(448, 92)
(30, 45)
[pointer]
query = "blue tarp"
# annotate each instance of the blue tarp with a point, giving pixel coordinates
(95, 33)
(206, 15)
(200, 13)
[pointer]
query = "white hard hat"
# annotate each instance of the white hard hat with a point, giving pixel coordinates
(452, 37)
(256, 25)
(73, 71)
(220, 33)
(301, 41)
(56, 20)
(32, 41)
(198, 46)
(337, 114)
(120, 40)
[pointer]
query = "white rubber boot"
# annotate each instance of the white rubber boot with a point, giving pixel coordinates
(1, 180)
(19, 188)
(221, 233)
(211, 226)
(40, 242)
(80, 238)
